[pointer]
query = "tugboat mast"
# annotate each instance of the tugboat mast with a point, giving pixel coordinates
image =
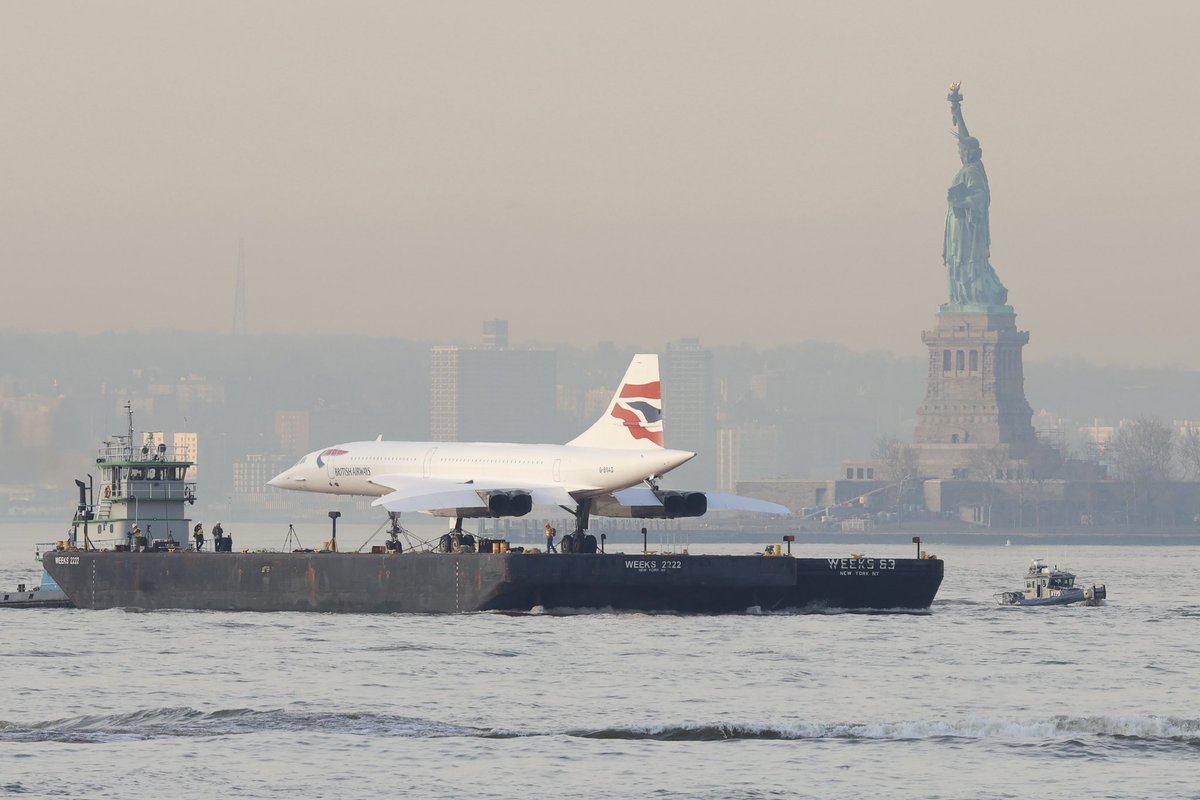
(129, 440)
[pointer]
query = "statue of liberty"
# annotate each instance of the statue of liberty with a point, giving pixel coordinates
(967, 247)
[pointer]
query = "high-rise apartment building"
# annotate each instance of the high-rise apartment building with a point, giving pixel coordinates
(492, 393)
(187, 448)
(292, 431)
(250, 475)
(443, 394)
(689, 411)
(184, 447)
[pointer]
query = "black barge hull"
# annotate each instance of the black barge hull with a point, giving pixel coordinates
(443, 583)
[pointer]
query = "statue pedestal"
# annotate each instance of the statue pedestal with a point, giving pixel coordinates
(975, 395)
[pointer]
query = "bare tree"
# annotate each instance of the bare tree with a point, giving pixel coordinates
(1140, 454)
(1188, 446)
(988, 463)
(898, 463)
(1044, 462)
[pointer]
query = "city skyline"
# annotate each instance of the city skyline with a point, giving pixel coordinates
(765, 175)
(790, 413)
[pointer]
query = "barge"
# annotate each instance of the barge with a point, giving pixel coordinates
(131, 550)
(432, 582)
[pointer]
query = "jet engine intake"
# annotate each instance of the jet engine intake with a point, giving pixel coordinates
(509, 504)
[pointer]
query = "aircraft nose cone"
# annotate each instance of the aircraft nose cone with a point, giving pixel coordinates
(277, 481)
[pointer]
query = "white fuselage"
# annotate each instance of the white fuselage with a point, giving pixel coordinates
(583, 471)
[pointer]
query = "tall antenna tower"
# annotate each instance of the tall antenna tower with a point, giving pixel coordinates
(239, 292)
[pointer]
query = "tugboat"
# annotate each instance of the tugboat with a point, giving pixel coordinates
(143, 495)
(1047, 585)
(143, 491)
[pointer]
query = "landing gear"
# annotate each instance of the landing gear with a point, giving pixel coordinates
(579, 540)
(581, 513)
(452, 539)
(455, 541)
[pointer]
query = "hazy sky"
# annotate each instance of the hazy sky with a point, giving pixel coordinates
(637, 171)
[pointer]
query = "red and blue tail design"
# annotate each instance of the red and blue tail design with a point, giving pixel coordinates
(634, 418)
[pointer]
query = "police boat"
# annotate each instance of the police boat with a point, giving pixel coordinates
(1047, 585)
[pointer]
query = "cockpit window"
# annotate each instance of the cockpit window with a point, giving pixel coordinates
(301, 461)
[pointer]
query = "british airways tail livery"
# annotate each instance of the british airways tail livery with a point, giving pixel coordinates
(611, 469)
(634, 417)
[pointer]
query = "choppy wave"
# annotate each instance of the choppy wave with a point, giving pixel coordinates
(1061, 731)
(1177, 730)
(189, 722)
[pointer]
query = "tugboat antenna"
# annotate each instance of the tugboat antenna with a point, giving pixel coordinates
(129, 413)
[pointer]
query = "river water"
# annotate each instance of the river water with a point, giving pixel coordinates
(968, 700)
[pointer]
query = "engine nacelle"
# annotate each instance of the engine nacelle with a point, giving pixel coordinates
(683, 504)
(509, 504)
(673, 504)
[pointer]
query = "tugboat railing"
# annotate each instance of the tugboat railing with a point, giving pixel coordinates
(121, 452)
(160, 490)
(125, 447)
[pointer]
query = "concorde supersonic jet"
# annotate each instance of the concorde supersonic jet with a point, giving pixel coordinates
(612, 469)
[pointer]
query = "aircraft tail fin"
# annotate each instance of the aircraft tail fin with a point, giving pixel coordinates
(634, 418)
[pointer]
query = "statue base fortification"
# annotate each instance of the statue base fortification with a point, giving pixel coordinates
(975, 395)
